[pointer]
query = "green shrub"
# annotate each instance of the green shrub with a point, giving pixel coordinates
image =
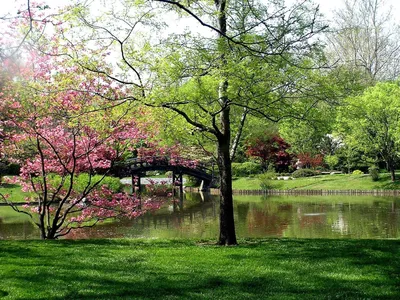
(192, 181)
(9, 169)
(266, 180)
(304, 173)
(331, 160)
(374, 172)
(357, 172)
(245, 169)
(285, 174)
(113, 183)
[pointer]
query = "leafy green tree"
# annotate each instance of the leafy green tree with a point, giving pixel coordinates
(332, 161)
(370, 123)
(248, 58)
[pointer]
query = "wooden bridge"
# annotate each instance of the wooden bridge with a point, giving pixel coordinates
(136, 168)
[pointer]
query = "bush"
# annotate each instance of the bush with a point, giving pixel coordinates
(158, 189)
(245, 169)
(82, 181)
(9, 169)
(357, 172)
(332, 161)
(285, 174)
(304, 173)
(266, 180)
(113, 183)
(374, 172)
(192, 181)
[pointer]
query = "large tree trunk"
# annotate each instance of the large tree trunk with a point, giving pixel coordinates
(227, 235)
(392, 174)
(392, 171)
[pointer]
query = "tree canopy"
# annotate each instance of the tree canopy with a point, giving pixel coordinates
(201, 72)
(370, 123)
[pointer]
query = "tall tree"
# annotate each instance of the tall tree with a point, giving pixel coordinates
(247, 58)
(366, 38)
(370, 123)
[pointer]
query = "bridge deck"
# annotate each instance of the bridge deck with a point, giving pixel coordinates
(139, 166)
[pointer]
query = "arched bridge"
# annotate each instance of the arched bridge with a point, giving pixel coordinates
(137, 168)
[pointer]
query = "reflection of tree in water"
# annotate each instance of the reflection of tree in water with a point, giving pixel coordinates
(242, 210)
(269, 219)
(379, 220)
(316, 217)
(188, 220)
(340, 224)
(23, 230)
(310, 216)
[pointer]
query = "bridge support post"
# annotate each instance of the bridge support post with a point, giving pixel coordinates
(177, 180)
(136, 184)
(204, 187)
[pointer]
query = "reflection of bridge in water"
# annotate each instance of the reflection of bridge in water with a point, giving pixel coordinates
(136, 168)
(201, 206)
(197, 210)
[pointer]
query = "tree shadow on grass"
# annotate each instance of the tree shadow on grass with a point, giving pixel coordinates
(257, 269)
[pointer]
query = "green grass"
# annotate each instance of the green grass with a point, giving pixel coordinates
(159, 269)
(322, 182)
(16, 195)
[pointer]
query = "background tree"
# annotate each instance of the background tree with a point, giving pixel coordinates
(270, 148)
(366, 38)
(370, 123)
(308, 160)
(332, 161)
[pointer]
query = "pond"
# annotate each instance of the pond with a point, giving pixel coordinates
(359, 217)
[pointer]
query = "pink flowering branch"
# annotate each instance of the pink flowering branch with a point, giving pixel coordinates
(55, 148)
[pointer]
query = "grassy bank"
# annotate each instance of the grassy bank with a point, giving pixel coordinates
(152, 269)
(323, 182)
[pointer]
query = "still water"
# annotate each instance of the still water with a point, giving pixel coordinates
(256, 216)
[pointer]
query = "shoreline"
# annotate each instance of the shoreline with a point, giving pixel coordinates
(354, 192)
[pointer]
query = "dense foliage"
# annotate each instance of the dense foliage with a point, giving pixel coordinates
(270, 149)
(82, 88)
(245, 169)
(304, 173)
(370, 122)
(62, 137)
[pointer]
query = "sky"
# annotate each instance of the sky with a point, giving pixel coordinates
(326, 6)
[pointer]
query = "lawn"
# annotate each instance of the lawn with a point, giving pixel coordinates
(322, 182)
(154, 269)
(14, 192)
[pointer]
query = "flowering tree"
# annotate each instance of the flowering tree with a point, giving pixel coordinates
(63, 136)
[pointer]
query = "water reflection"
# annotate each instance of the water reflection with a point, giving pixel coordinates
(256, 216)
